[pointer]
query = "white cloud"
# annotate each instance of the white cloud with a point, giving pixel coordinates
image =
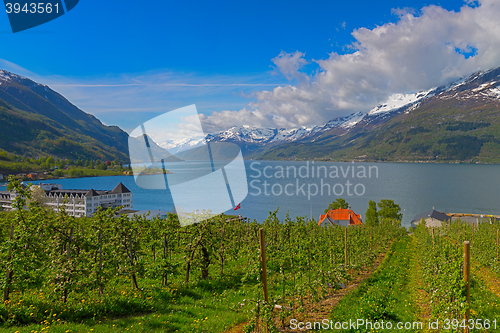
(417, 52)
(289, 65)
(403, 11)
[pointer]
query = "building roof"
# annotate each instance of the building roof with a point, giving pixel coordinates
(91, 193)
(120, 188)
(341, 214)
(433, 214)
(63, 193)
(59, 192)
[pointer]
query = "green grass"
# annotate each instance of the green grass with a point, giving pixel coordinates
(484, 303)
(386, 295)
(205, 306)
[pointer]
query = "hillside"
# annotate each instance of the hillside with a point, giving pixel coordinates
(37, 121)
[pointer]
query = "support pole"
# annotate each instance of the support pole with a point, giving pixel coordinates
(433, 238)
(467, 281)
(263, 262)
(345, 250)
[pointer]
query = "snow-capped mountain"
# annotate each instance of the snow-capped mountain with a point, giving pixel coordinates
(176, 146)
(7, 76)
(483, 85)
(274, 136)
(260, 136)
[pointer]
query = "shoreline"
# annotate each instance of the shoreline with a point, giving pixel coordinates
(375, 161)
(5, 181)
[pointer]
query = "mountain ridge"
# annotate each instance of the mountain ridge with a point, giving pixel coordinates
(37, 121)
(462, 104)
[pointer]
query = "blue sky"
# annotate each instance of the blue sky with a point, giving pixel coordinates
(242, 62)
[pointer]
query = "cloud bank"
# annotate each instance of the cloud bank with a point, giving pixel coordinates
(420, 51)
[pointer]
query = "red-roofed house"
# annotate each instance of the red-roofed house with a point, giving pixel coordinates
(341, 216)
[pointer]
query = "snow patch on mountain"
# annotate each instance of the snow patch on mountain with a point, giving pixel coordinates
(292, 134)
(353, 120)
(6, 76)
(246, 133)
(397, 101)
(493, 92)
(484, 86)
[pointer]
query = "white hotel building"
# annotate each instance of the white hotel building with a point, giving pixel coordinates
(77, 202)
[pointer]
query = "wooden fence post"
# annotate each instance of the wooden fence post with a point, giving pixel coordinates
(101, 289)
(345, 250)
(68, 257)
(433, 238)
(10, 272)
(263, 263)
(497, 244)
(467, 280)
(473, 230)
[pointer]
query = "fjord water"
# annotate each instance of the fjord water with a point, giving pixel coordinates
(416, 187)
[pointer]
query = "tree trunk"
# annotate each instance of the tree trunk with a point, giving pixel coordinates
(204, 263)
(68, 257)
(101, 288)
(10, 272)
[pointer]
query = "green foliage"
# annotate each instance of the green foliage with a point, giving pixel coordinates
(109, 266)
(462, 147)
(466, 126)
(336, 204)
(389, 210)
(371, 216)
(5, 156)
(101, 166)
(442, 262)
(417, 130)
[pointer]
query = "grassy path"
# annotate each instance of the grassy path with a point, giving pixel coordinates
(386, 296)
(419, 296)
(485, 295)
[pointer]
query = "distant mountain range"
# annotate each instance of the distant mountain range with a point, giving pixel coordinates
(37, 121)
(456, 122)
